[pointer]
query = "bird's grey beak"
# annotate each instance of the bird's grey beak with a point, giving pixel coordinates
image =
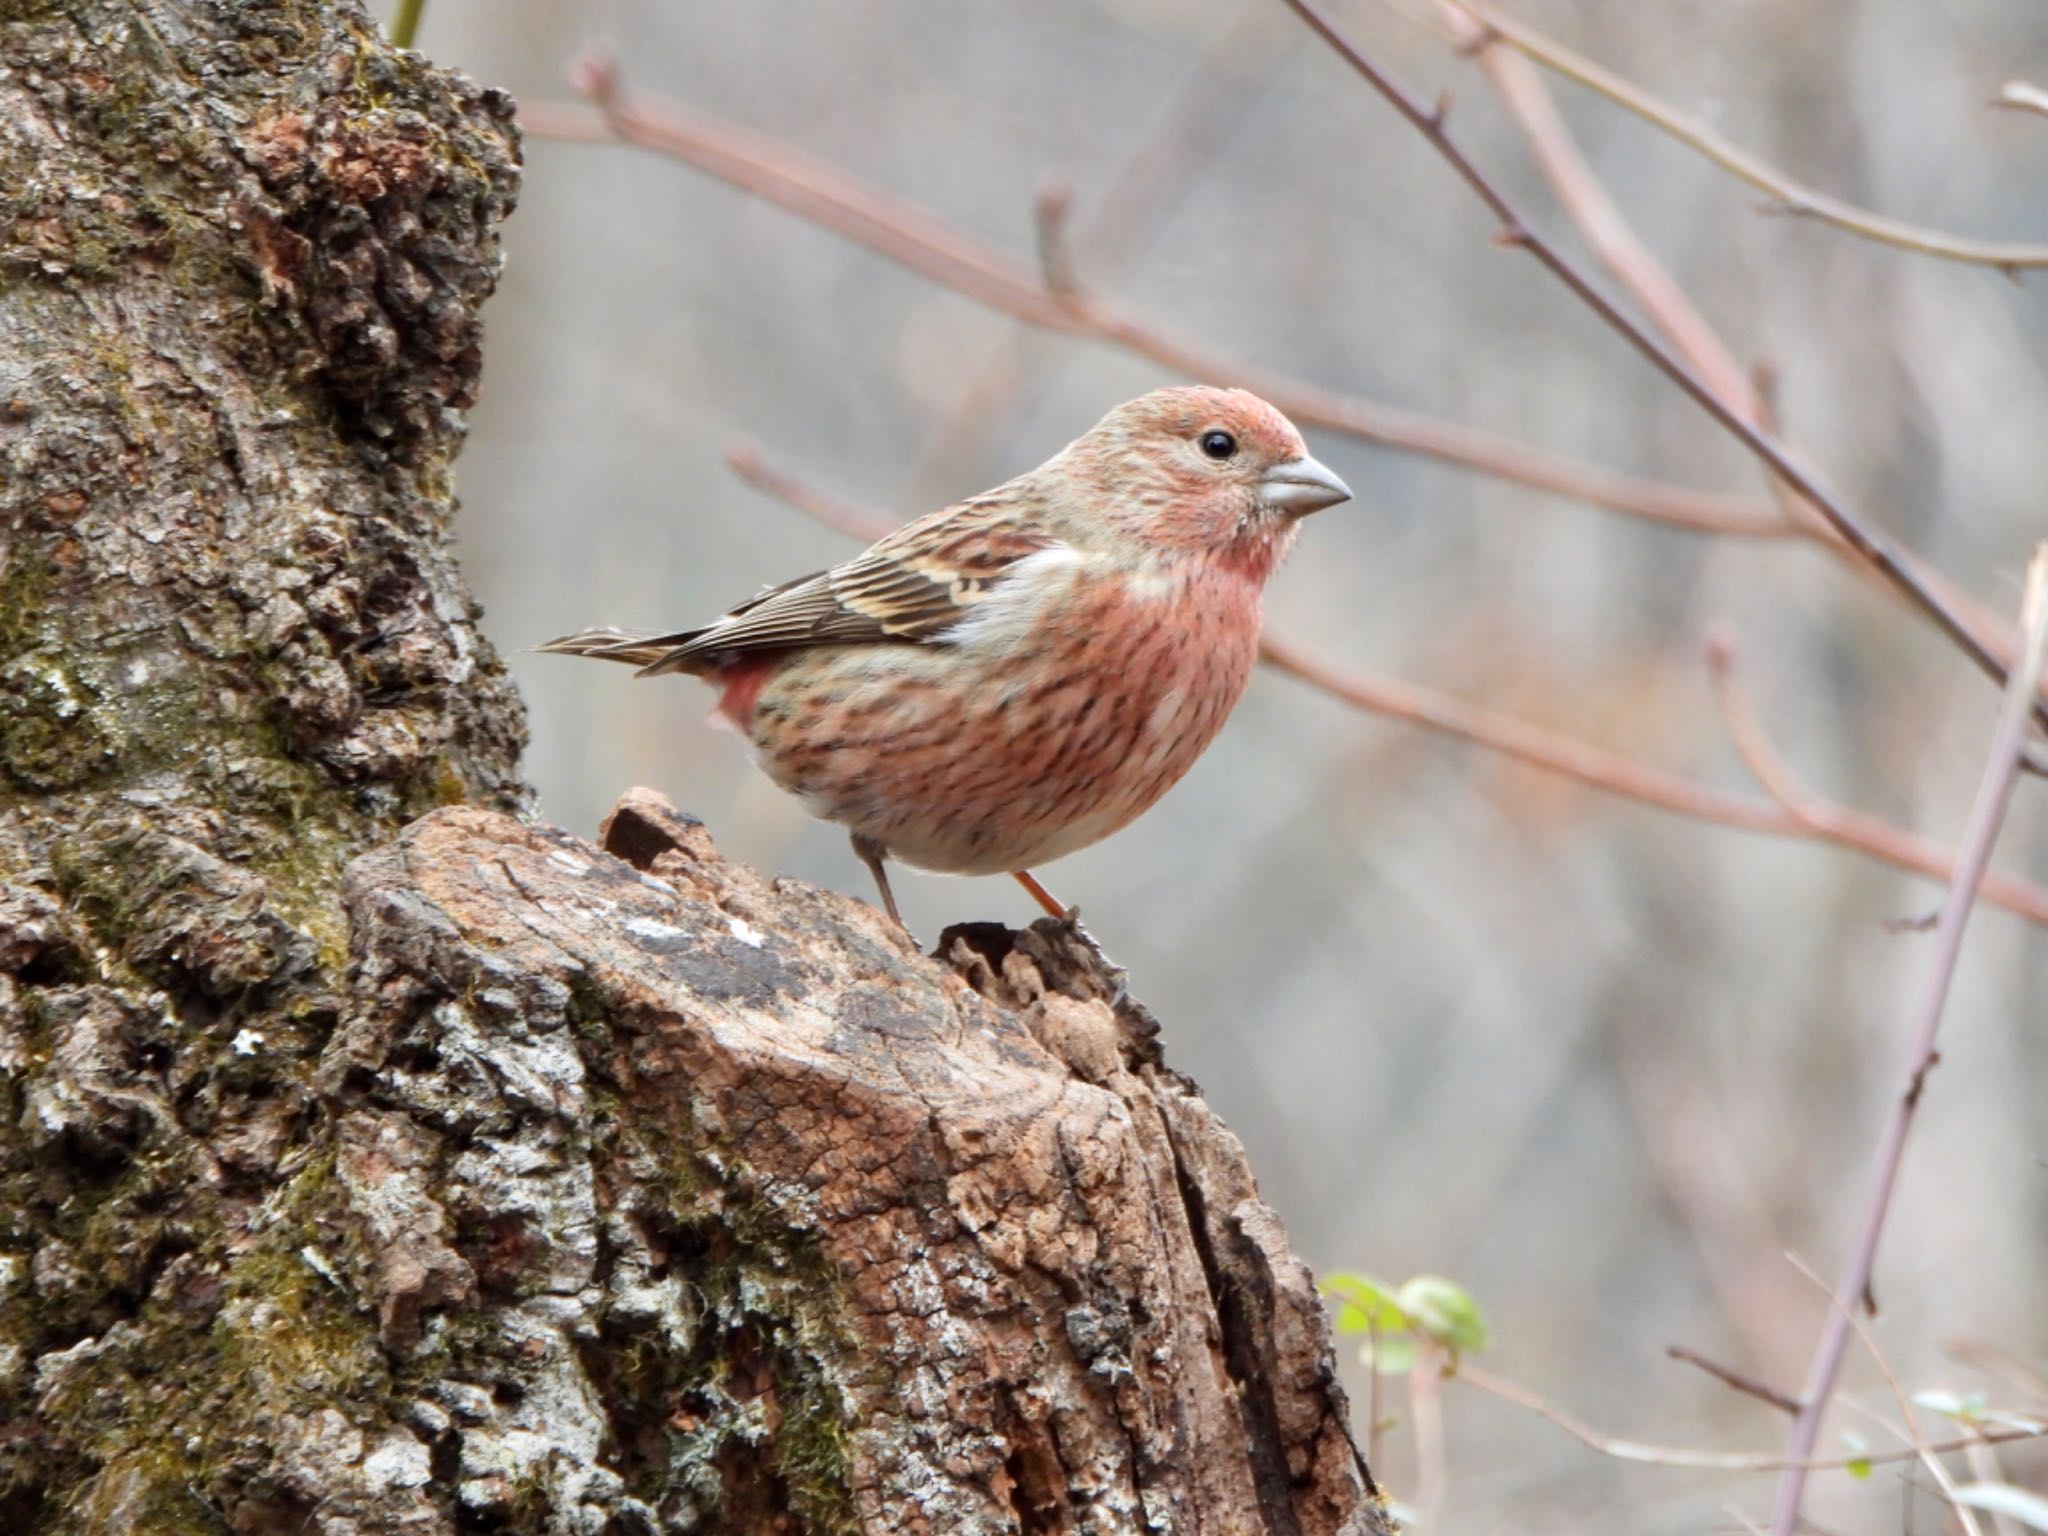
(1301, 486)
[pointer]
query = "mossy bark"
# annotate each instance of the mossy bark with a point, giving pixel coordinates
(367, 1166)
(242, 249)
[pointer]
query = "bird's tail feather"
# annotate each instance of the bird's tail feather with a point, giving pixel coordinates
(635, 647)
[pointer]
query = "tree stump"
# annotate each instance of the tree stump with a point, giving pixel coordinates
(375, 1160)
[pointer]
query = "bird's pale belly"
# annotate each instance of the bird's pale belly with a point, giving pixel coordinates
(979, 764)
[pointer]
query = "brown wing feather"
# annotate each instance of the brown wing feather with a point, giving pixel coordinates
(912, 586)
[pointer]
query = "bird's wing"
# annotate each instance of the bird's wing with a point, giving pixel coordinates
(913, 586)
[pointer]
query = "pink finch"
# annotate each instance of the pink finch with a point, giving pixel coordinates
(1023, 673)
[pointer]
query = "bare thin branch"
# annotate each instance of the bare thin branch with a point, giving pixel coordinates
(1787, 196)
(1993, 1360)
(1869, 545)
(1593, 210)
(1687, 1456)
(1784, 1402)
(1594, 213)
(913, 237)
(746, 461)
(1119, 219)
(1807, 816)
(1909, 1429)
(1582, 762)
(1049, 214)
(1751, 744)
(1987, 816)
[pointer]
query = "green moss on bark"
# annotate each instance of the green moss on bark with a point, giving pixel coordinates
(177, 1408)
(290, 1327)
(54, 734)
(746, 1420)
(242, 247)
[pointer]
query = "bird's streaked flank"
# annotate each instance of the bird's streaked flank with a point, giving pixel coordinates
(1023, 673)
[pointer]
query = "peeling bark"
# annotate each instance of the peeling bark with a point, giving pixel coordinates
(370, 1167)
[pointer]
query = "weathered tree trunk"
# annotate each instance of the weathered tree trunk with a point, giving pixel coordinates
(365, 1173)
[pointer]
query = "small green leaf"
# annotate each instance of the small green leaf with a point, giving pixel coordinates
(1364, 1305)
(1390, 1356)
(2003, 1499)
(1964, 1410)
(1856, 1446)
(1444, 1312)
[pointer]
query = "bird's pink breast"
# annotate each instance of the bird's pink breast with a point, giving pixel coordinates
(977, 760)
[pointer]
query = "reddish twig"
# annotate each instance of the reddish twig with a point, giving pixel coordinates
(1784, 1402)
(1822, 819)
(1700, 1166)
(1987, 815)
(911, 236)
(1746, 733)
(1982, 1355)
(746, 461)
(1807, 816)
(1115, 222)
(1799, 815)
(1868, 544)
(1049, 214)
(1787, 196)
(1594, 213)
(1593, 210)
(1684, 1456)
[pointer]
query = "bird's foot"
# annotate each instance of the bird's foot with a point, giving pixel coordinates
(903, 928)
(1116, 980)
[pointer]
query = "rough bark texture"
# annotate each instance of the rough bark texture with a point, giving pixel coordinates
(365, 1173)
(796, 1219)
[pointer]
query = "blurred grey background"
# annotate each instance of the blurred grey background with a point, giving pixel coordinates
(1603, 1066)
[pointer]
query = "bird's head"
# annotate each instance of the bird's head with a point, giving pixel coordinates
(1202, 471)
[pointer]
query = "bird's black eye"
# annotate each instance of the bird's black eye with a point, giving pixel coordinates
(1218, 445)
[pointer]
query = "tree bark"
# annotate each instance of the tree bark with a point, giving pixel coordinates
(367, 1166)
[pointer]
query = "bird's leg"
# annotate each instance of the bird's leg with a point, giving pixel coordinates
(872, 853)
(1051, 903)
